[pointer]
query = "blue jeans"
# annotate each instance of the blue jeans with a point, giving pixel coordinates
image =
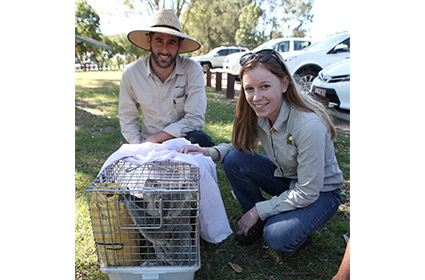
(199, 137)
(286, 231)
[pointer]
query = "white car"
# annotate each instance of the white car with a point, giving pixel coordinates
(333, 82)
(306, 64)
(215, 58)
(231, 62)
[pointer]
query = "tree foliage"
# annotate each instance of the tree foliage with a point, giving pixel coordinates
(299, 11)
(122, 50)
(247, 33)
(87, 24)
(87, 21)
(153, 5)
(214, 22)
(287, 17)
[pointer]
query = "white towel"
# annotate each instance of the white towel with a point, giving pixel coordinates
(214, 224)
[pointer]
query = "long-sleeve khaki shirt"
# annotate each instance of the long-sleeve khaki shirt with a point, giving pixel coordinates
(176, 106)
(300, 146)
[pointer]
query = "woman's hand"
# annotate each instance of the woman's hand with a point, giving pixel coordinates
(193, 149)
(248, 220)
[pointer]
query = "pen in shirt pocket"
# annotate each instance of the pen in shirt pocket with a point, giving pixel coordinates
(174, 103)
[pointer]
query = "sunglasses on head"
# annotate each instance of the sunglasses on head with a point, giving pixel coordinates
(261, 56)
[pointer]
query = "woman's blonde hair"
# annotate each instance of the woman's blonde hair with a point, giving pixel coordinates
(245, 135)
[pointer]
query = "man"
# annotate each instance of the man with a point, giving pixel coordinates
(169, 89)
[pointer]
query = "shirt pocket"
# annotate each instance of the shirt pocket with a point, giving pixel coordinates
(287, 160)
(179, 92)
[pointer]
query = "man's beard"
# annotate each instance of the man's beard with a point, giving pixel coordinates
(160, 63)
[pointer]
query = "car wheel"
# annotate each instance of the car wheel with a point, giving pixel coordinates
(305, 79)
(206, 66)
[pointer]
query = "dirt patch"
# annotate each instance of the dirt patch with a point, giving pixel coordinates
(83, 117)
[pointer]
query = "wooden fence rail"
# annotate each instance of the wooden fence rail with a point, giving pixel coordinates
(230, 88)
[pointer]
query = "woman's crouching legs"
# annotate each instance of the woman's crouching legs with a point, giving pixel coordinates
(287, 231)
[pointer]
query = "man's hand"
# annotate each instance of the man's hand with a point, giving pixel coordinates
(158, 137)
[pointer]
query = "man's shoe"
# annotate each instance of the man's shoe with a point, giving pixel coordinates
(255, 232)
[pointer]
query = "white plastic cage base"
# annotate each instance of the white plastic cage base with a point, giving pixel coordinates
(160, 273)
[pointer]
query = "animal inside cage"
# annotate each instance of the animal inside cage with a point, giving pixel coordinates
(146, 216)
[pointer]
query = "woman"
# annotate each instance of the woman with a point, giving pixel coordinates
(300, 170)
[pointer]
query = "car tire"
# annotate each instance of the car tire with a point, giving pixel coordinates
(304, 79)
(206, 66)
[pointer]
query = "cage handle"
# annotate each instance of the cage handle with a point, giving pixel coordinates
(150, 276)
(129, 169)
(140, 227)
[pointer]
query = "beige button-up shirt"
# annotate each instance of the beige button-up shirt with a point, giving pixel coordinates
(300, 146)
(176, 106)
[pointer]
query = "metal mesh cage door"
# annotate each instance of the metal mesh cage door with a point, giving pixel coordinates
(146, 215)
(115, 246)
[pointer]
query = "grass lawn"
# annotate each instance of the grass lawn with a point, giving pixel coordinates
(97, 135)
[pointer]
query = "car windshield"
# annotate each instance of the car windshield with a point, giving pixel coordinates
(212, 52)
(265, 45)
(327, 43)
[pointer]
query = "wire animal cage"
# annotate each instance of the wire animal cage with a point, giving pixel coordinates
(145, 220)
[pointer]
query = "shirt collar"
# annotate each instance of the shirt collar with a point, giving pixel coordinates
(179, 70)
(148, 66)
(282, 118)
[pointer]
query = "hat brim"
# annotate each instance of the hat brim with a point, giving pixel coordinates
(140, 38)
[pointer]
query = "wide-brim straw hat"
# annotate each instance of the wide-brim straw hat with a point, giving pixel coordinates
(164, 21)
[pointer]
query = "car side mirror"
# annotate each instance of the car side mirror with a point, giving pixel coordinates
(341, 48)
